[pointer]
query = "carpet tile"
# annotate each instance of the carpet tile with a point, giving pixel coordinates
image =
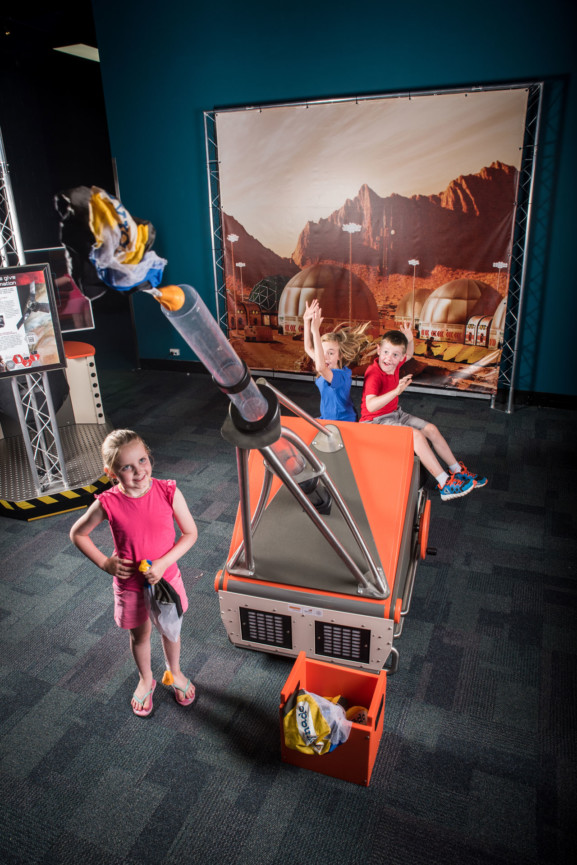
(478, 759)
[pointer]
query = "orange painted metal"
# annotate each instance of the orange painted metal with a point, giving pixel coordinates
(382, 461)
(353, 760)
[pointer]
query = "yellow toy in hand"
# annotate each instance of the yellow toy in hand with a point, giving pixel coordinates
(144, 566)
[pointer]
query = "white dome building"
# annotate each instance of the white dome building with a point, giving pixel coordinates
(343, 296)
(410, 306)
(497, 329)
(449, 308)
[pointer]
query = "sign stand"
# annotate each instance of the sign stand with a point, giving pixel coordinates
(31, 391)
(40, 432)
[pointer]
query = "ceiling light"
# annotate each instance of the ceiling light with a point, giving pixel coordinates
(80, 50)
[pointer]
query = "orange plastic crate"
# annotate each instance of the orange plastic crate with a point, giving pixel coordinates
(354, 759)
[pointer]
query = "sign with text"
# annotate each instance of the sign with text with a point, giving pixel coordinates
(30, 338)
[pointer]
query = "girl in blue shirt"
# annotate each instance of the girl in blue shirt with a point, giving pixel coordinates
(331, 354)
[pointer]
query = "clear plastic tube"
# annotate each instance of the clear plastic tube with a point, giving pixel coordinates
(198, 328)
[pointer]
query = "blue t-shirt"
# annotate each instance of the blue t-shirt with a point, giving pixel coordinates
(336, 403)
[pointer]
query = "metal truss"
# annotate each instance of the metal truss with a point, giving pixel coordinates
(503, 399)
(10, 240)
(40, 431)
(216, 219)
(517, 265)
(31, 391)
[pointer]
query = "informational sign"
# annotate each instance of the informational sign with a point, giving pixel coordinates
(30, 338)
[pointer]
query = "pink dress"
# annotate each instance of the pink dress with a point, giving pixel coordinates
(142, 528)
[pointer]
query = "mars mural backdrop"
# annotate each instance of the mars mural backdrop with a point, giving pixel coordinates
(385, 210)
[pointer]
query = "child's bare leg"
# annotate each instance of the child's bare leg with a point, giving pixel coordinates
(439, 442)
(172, 655)
(425, 454)
(140, 648)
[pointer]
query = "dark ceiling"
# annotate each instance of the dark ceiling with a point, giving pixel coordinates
(29, 25)
(52, 113)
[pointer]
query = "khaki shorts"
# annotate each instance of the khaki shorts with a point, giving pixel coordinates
(400, 418)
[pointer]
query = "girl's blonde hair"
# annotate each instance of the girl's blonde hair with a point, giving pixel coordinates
(116, 440)
(353, 342)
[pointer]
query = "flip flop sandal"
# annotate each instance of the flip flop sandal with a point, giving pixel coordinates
(188, 700)
(142, 712)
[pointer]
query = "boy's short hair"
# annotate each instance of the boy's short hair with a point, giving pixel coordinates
(395, 337)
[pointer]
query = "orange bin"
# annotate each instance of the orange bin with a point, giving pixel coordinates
(354, 759)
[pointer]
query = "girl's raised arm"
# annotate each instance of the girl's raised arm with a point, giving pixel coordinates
(308, 338)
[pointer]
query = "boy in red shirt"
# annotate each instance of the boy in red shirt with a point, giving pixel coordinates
(380, 404)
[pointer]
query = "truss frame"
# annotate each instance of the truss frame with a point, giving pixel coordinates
(42, 441)
(31, 391)
(503, 399)
(517, 265)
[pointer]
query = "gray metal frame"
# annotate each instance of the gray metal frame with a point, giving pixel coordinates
(40, 431)
(503, 399)
(517, 266)
(31, 391)
(10, 240)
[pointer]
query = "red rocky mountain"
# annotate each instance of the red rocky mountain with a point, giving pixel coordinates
(259, 260)
(468, 226)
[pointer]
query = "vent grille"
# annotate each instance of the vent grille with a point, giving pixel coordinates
(340, 641)
(271, 629)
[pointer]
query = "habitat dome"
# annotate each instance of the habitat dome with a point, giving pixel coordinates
(410, 306)
(338, 290)
(500, 315)
(456, 301)
(497, 331)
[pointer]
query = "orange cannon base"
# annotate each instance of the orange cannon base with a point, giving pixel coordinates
(301, 596)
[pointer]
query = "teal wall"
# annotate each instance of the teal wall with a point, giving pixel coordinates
(164, 64)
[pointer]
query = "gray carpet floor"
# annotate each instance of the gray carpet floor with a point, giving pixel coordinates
(477, 761)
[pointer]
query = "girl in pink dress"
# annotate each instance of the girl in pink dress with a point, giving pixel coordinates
(141, 511)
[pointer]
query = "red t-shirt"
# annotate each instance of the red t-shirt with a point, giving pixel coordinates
(378, 383)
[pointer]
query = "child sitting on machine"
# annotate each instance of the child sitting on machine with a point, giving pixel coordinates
(332, 353)
(380, 404)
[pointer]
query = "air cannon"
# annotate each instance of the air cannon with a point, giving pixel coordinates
(254, 422)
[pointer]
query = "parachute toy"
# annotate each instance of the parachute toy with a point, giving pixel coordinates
(105, 245)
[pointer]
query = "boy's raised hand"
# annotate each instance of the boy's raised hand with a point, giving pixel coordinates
(404, 383)
(407, 330)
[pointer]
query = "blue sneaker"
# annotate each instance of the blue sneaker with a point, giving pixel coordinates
(456, 486)
(465, 473)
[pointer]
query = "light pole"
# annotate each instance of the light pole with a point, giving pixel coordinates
(240, 265)
(499, 265)
(351, 228)
(232, 238)
(415, 263)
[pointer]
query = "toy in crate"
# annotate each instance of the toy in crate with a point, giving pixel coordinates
(354, 757)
